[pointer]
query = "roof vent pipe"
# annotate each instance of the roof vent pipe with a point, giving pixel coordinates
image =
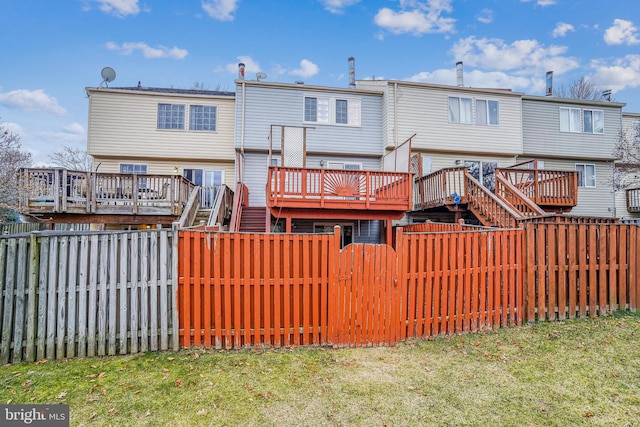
(459, 78)
(352, 72)
(241, 70)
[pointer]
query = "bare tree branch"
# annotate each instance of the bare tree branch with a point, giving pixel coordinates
(579, 89)
(12, 158)
(72, 159)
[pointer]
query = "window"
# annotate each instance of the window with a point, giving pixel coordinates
(342, 112)
(487, 112)
(325, 110)
(133, 168)
(202, 117)
(171, 116)
(350, 166)
(569, 120)
(586, 175)
(460, 110)
(593, 121)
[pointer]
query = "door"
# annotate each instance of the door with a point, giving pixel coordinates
(484, 172)
(367, 297)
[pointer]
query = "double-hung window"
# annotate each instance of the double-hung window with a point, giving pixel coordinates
(171, 116)
(202, 117)
(487, 112)
(593, 121)
(569, 120)
(332, 111)
(586, 175)
(460, 110)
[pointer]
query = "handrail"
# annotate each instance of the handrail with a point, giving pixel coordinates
(490, 206)
(239, 200)
(190, 210)
(544, 187)
(221, 206)
(436, 189)
(510, 193)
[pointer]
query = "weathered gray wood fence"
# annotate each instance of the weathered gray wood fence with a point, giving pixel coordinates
(76, 294)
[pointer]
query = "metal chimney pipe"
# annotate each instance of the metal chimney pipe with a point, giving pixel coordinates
(241, 70)
(459, 78)
(352, 72)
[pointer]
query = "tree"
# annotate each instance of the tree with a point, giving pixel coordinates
(627, 154)
(579, 89)
(72, 159)
(12, 158)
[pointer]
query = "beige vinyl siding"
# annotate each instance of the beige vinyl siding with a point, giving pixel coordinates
(621, 206)
(423, 110)
(168, 167)
(596, 202)
(542, 136)
(125, 122)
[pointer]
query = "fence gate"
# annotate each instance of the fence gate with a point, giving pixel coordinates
(367, 296)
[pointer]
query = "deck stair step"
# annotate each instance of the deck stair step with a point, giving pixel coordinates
(253, 219)
(202, 215)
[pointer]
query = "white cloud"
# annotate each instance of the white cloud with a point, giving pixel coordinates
(338, 6)
(561, 30)
(222, 10)
(128, 48)
(622, 74)
(622, 32)
(526, 57)
(119, 8)
(476, 78)
(307, 69)
(541, 2)
(417, 17)
(31, 100)
(485, 16)
(250, 66)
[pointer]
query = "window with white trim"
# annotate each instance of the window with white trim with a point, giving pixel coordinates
(487, 112)
(171, 116)
(133, 168)
(593, 121)
(332, 111)
(202, 117)
(586, 175)
(350, 166)
(460, 110)
(569, 119)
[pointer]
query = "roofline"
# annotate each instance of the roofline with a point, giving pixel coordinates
(630, 114)
(302, 86)
(163, 92)
(572, 101)
(507, 92)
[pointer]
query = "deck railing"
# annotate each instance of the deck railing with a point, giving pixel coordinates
(489, 209)
(65, 191)
(440, 188)
(510, 193)
(633, 199)
(544, 187)
(289, 187)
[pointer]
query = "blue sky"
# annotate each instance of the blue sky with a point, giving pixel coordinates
(51, 51)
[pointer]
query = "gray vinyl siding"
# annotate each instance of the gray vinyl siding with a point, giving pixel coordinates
(542, 136)
(260, 106)
(595, 202)
(123, 124)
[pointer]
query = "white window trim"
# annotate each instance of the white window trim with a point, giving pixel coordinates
(593, 121)
(331, 165)
(569, 109)
(584, 178)
(459, 122)
(487, 101)
(146, 166)
(187, 117)
(354, 111)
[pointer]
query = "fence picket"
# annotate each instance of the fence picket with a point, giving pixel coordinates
(30, 351)
(72, 296)
(9, 292)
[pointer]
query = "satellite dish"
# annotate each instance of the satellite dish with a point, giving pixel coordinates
(108, 75)
(260, 76)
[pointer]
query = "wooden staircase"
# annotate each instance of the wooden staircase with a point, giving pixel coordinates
(202, 216)
(253, 219)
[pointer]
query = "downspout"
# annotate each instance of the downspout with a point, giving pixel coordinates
(395, 114)
(241, 163)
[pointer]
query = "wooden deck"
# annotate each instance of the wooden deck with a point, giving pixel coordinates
(76, 196)
(301, 188)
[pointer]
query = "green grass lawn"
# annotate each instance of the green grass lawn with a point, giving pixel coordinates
(573, 373)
